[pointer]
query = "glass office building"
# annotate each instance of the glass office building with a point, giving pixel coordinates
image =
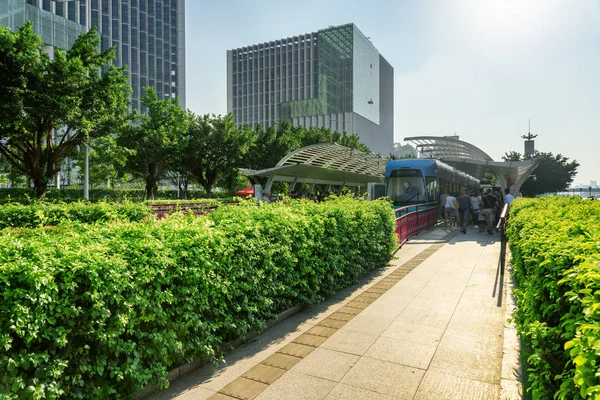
(334, 78)
(149, 35)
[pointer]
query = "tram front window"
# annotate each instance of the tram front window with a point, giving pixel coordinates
(406, 187)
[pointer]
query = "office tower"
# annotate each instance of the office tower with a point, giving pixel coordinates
(149, 35)
(333, 78)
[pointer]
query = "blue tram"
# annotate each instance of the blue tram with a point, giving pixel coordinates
(417, 181)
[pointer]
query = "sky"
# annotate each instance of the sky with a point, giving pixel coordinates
(476, 68)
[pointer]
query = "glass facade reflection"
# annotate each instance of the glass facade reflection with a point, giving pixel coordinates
(149, 35)
(334, 78)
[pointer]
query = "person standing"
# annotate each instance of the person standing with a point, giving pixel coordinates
(490, 204)
(450, 210)
(475, 202)
(464, 209)
(508, 198)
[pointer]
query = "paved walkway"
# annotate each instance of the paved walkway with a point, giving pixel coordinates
(430, 326)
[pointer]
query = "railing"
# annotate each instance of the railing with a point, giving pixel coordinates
(412, 220)
(502, 226)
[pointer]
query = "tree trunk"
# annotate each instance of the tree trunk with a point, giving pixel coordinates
(151, 189)
(208, 190)
(39, 187)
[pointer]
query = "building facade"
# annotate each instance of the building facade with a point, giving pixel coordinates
(332, 78)
(149, 35)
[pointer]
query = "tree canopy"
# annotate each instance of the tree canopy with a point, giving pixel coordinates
(50, 105)
(214, 149)
(153, 139)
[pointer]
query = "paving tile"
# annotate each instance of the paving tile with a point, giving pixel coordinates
(244, 389)
(415, 333)
(217, 396)
(479, 338)
(321, 331)
(367, 323)
(346, 392)
(189, 393)
(370, 295)
(425, 317)
(402, 352)
(364, 299)
(511, 389)
(326, 364)
(349, 310)
(375, 290)
(332, 323)
(295, 386)
(310, 340)
(296, 350)
(264, 373)
(384, 377)
(438, 384)
(350, 342)
(357, 304)
(484, 366)
(283, 361)
(341, 316)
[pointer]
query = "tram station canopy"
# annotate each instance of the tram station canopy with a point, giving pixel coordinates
(474, 161)
(326, 164)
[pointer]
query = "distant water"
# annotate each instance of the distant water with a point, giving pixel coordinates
(576, 192)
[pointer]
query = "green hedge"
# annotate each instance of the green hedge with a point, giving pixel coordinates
(101, 311)
(16, 215)
(22, 195)
(555, 245)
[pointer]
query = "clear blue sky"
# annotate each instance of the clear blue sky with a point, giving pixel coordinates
(477, 68)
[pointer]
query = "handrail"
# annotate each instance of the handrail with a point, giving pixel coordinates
(415, 219)
(400, 209)
(503, 239)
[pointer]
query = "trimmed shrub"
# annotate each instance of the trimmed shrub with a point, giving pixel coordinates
(23, 195)
(16, 215)
(555, 246)
(101, 311)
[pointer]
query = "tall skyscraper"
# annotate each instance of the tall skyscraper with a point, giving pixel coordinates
(333, 78)
(149, 35)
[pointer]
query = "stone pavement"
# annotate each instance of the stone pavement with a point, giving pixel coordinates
(430, 326)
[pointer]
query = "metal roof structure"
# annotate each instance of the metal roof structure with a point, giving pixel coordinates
(324, 163)
(447, 147)
(474, 161)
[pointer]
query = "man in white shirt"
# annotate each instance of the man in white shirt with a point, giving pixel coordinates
(451, 208)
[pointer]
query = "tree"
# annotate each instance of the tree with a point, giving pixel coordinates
(554, 174)
(214, 149)
(107, 161)
(153, 139)
(512, 156)
(49, 107)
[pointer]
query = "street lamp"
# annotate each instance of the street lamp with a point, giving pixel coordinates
(86, 160)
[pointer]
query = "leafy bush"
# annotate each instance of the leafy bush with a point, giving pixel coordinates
(16, 215)
(23, 195)
(100, 311)
(555, 245)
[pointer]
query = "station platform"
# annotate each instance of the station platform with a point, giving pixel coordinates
(430, 326)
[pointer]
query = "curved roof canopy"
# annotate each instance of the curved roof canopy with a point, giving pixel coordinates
(334, 156)
(325, 163)
(474, 161)
(447, 147)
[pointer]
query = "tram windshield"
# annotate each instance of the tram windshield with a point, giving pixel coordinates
(406, 187)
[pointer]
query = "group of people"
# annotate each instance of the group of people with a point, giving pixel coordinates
(481, 209)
